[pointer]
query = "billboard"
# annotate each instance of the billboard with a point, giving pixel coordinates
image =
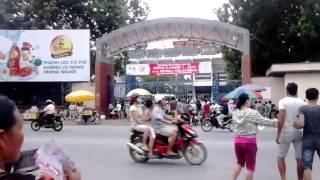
(174, 52)
(44, 55)
(178, 68)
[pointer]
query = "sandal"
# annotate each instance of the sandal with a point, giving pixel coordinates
(145, 148)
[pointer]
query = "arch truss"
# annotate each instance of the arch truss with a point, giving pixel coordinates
(176, 28)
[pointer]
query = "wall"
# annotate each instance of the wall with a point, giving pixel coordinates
(304, 81)
(277, 86)
(104, 86)
(87, 86)
(218, 65)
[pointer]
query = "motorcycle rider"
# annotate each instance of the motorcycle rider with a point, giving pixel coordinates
(49, 111)
(163, 124)
(136, 118)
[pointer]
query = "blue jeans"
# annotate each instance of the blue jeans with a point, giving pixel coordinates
(309, 147)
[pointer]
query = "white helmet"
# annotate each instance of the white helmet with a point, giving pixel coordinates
(49, 101)
(158, 98)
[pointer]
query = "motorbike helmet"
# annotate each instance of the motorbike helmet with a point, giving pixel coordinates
(133, 98)
(49, 101)
(158, 98)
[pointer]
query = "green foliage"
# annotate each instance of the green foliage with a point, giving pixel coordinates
(233, 60)
(100, 16)
(282, 31)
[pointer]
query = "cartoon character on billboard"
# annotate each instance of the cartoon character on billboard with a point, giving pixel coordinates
(21, 64)
(26, 55)
(26, 63)
(61, 46)
(14, 60)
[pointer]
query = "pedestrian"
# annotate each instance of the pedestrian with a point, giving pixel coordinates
(198, 105)
(225, 107)
(123, 112)
(180, 107)
(119, 107)
(273, 111)
(72, 111)
(231, 106)
(111, 107)
(186, 108)
(309, 120)
(11, 140)
(267, 109)
(246, 121)
(173, 107)
(259, 107)
(287, 134)
(206, 109)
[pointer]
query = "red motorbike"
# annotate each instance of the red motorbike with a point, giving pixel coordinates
(186, 145)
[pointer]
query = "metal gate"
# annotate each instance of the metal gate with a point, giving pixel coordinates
(182, 90)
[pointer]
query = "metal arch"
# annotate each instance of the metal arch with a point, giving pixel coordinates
(168, 28)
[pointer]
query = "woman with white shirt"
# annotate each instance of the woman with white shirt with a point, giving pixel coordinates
(136, 118)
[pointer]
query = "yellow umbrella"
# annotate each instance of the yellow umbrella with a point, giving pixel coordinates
(80, 96)
(139, 91)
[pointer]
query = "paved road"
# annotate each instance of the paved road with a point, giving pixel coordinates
(101, 153)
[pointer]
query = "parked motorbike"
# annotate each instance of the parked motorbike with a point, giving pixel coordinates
(186, 145)
(194, 119)
(92, 119)
(191, 117)
(219, 121)
(57, 124)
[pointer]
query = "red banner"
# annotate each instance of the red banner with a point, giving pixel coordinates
(182, 68)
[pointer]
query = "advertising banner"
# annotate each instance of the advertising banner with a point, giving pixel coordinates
(44, 55)
(178, 68)
(174, 52)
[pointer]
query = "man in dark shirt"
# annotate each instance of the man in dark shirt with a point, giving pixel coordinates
(309, 120)
(173, 107)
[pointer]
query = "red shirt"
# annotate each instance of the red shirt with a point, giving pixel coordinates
(206, 108)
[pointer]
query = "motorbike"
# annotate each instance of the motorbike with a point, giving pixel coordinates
(194, 118)
(92, 119)
(186, 145)
(191, 117)
(219, 121)
(57, 124)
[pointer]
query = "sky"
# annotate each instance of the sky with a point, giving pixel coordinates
(181, 8)
(184, 8)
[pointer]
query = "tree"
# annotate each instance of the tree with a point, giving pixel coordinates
(100, 16)
(281, 30)
(231, 56)
(233, 62)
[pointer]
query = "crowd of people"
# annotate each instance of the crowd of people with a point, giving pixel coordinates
(294, 114)
(80, 113)
(118, 109)
(267, 109)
